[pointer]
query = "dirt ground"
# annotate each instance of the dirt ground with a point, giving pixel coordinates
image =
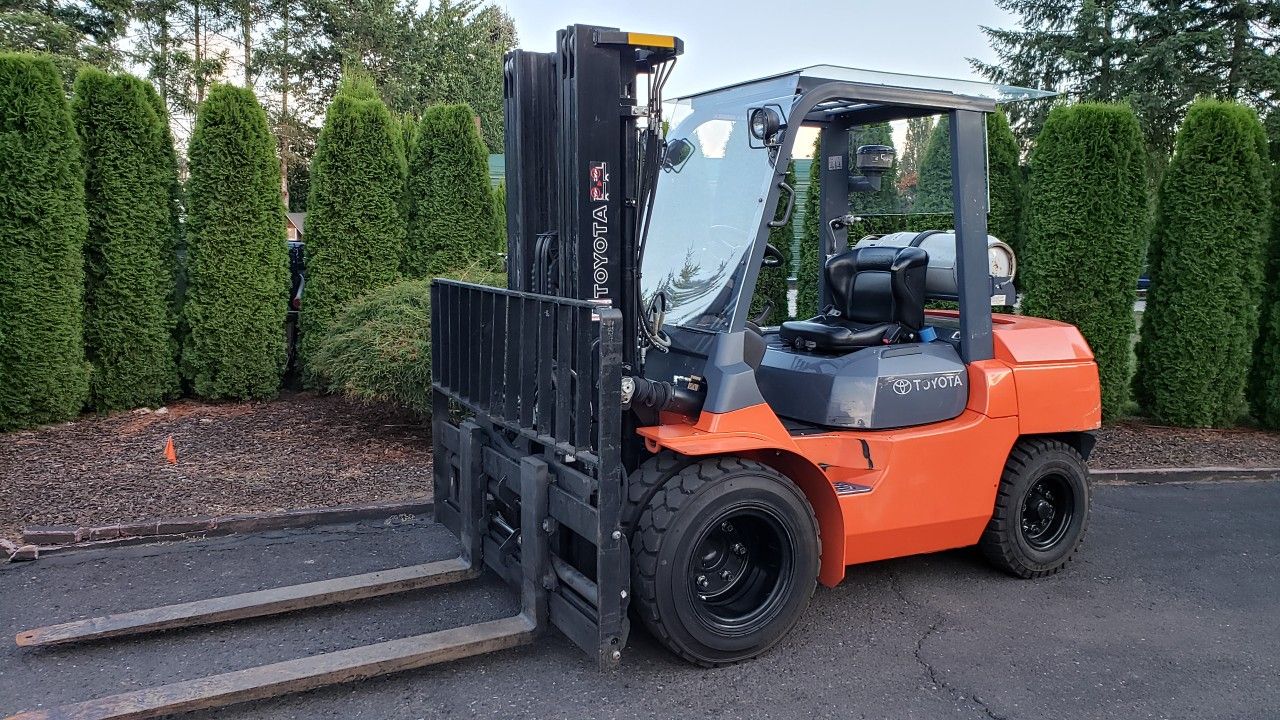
(307, 450)
(302, 450)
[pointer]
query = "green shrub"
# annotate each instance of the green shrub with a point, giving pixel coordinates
(451, 218)
(1264, 381)
(1206, 266)
(237, 262)
(176, 250)
(1087, 232)
(808, 282)
(379, 348)
(933, 193)
(42, 231)
(355, 228)
(129, 284)
(771, 284)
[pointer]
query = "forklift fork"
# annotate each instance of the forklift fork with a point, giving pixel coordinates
(292, 676)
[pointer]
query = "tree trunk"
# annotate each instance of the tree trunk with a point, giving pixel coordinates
(198, 47)
(1239, 20)
(246, 29)
(284, 108)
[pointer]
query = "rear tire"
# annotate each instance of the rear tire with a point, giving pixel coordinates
(724, 560)
(1042, 509)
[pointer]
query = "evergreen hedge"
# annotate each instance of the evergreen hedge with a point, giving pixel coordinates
(355, 227)
(129, 282)
(451, 218)
(1206, 266)
(1005, 184)
(177, 248)
(808, 284)
(771, 283)
(1087, 232)
(237, 262)
(1264, 383)
(933, 189)
(43, 376)
(500, 224)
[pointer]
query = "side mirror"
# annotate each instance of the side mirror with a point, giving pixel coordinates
(678, 153)
(772, 257)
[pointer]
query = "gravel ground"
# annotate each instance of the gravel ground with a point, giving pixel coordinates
(306, 450)
(302, 450)
(1133, 444)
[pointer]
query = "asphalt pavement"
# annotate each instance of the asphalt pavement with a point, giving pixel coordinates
(1170, 611)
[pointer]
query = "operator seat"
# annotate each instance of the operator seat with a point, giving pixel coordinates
(877, 296)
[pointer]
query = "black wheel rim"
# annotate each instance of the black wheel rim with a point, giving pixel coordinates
(1047, 512)
(741, 566)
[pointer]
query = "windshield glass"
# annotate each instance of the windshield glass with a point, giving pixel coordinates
(707, 206)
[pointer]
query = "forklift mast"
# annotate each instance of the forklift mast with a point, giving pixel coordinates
(575, 170)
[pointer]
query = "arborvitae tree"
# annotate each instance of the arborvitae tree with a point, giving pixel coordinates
(884, 200)
(42, 230)
(451, 218)
(129, 283)
(1004, 177)
(500, 223)
(355, 227)
(1087, 232)
(933, 189)
(177, 248)
(1206, 266)
(237, 262)
(771, 284)
(1264, 380)
(808, 282)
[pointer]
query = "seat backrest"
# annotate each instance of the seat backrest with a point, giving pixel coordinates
(880, 285)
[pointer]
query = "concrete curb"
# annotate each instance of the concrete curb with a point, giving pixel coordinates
(1147, 476)
(50, 540)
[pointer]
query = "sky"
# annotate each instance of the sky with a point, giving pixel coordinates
(728, 41)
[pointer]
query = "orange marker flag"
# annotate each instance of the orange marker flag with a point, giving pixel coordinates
(169, 452)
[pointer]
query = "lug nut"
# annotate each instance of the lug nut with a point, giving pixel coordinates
(725, 574)
(702, 581)
(726, 526)
(739, 549)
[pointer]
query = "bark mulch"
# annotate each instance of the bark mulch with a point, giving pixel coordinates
(1135, 444)
(302, 450)
(305, 450)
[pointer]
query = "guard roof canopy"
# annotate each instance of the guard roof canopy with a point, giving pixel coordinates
(871, 88)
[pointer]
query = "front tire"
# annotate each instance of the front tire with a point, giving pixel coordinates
(1042, 509)
(725, 560)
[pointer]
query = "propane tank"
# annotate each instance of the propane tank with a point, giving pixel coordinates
(941, 279)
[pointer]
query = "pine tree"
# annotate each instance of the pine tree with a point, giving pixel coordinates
(71, 34)
(42, 231)
(918, 131)
(933, 189)
(355, 227)
(1087, 233)
(451, 218)
(809, 269)
(771, 285)
(1264, 380)
(129, 282)
(237, 262)
(1206, 264)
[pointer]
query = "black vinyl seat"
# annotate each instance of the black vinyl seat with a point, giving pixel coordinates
(877, 296)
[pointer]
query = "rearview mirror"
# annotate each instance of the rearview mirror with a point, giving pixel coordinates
(772, 257)
(678, 153)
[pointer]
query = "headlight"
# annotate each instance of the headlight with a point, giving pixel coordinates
(764, 123)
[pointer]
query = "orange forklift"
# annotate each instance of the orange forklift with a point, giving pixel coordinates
(617, 438)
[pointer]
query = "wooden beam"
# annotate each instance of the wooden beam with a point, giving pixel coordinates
(293, 676)
(254, 604)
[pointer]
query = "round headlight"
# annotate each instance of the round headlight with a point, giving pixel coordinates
(764, 123)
